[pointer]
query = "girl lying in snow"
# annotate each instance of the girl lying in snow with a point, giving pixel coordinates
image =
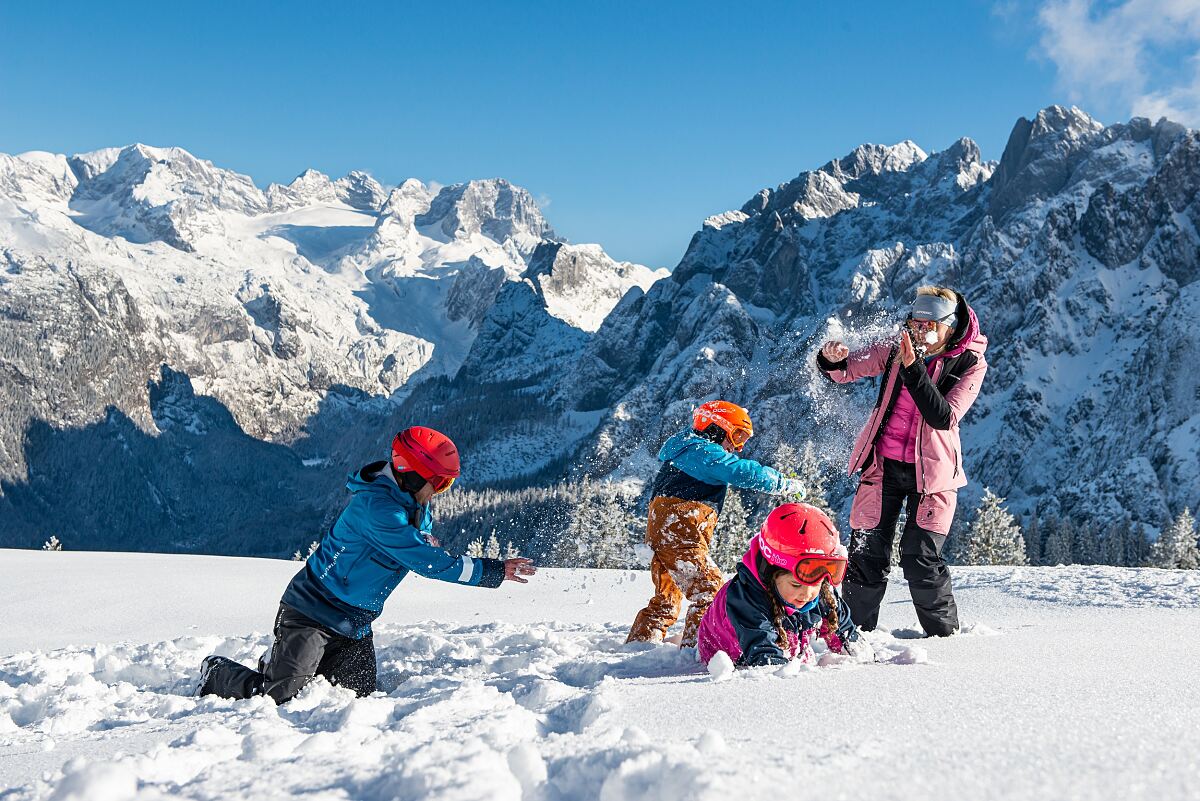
(782, 595)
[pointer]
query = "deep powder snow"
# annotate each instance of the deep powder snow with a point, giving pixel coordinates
(1066, 683)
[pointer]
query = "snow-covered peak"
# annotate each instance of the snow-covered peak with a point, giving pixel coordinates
(165, 194)
(397, 218)
(1071, 122)
(494, 208)
(309, 188)
(719, 221)
(88, 165)
(154, 176)
(36, 177)
(869, 159)
(960, 165)
(312, 187)
(359, 190)
(836, 186)
(581, 283)
(1040, 155)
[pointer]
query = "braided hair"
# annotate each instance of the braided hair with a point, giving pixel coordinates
(778, 613)
(832, 619)
(771, 572)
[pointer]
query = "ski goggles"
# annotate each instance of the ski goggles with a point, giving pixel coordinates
(440, 483)
(921, 325)
(814, 570)
(739, 437)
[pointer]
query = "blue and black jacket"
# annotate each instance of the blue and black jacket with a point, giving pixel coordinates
(698, 469)
(380, 536)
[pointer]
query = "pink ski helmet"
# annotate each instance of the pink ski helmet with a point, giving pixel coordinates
(802, 540)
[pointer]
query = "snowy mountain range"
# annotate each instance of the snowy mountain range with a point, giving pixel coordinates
(191, 363)
(190, 357)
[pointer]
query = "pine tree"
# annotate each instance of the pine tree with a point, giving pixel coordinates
(492, 549)
(581, 530)
(1085, 548)
(1113, 548)
(613, 544)
(510, 552)
(297, 556)
(786, 459)
(475, 548)
(52, 544)
(1033, 540)
(1137, 546)
(901, 523)
(813, 476)
(995, 537)
(1059, 535)
(1176, 546)
(733, 534)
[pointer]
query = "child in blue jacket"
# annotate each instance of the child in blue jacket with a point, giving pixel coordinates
(698, 467)
(323, 627)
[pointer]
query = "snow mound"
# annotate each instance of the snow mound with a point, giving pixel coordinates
(527, 706)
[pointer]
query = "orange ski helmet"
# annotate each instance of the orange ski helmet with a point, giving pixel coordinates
(428, 453)
(729, 417)
(802, 540)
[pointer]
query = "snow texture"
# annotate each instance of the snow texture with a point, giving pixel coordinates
(531, 693)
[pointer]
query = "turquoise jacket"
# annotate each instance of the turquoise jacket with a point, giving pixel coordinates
(381, 535)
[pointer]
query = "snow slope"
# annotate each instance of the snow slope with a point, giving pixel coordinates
(1068, 683)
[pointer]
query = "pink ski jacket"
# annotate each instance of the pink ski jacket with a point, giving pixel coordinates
(937, 449)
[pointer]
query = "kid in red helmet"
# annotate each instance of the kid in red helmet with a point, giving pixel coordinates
(782, 596)
(385, 531)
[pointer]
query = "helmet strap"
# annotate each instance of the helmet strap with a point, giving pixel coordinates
(409, 480)
(712, 432)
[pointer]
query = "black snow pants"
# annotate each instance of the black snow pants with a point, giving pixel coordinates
(302, 649)
(920, 558)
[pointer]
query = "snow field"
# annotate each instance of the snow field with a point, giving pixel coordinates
(1055, 689)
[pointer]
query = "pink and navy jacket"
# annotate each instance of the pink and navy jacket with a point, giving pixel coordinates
(942, 391)
(740, 621)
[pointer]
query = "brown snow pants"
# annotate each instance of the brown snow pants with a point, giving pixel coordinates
(680, 533)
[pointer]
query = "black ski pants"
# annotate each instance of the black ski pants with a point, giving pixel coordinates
(920, 558)
(302, 649)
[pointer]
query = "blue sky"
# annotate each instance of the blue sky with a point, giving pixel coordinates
(629, 122)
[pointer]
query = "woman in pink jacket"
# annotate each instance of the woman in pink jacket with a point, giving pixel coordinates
(909, 453)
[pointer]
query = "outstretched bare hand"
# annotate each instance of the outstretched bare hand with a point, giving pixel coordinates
(514, 569)
(834, 351)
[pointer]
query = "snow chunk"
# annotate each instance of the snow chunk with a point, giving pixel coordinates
(720, 667)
